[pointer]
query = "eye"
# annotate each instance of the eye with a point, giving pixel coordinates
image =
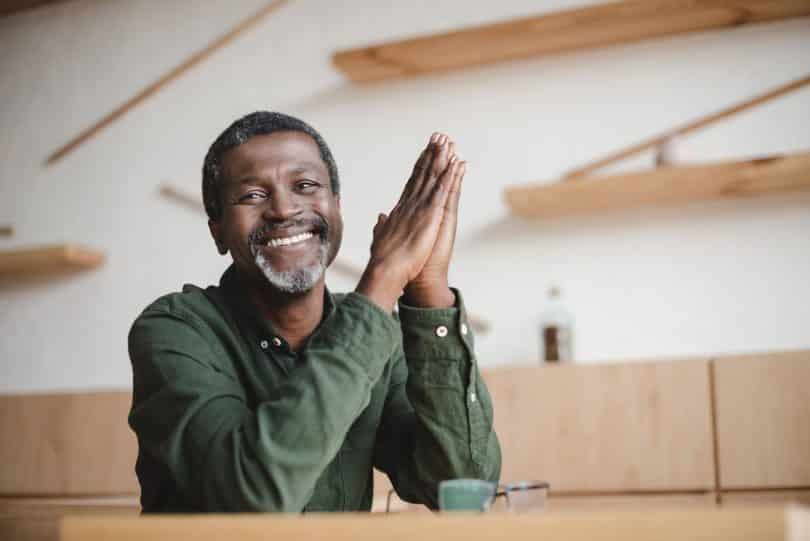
(252, 196)
(307, 185)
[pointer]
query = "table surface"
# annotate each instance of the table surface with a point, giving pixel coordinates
(752, 524)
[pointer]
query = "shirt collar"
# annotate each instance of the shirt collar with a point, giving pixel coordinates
(247, 315)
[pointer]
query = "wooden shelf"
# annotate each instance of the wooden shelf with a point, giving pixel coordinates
(662, 186)
(47, 259)
(594, 26)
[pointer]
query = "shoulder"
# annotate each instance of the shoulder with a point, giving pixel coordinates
(192, 307)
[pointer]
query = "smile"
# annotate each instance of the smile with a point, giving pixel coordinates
(287, 241)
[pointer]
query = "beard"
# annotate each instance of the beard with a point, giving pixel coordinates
(298, 280)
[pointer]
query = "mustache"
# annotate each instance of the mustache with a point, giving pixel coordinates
(317, 224)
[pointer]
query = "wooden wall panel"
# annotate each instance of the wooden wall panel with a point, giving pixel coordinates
(631, 502)
(67, 444)
(38, 519)
(763, 420)
(606, 428)
(765, 497)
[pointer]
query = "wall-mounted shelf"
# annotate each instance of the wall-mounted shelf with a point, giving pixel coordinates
(594, 26)
(54, 259)
(662, 186)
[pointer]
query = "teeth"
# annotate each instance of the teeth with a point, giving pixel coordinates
(286, 241)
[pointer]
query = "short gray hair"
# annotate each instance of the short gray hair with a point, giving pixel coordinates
(258, 123)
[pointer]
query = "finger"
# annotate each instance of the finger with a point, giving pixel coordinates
(437, 168)
(420, 169)
(439, 150)
(381, 218)
(442, 190)
(455, 190)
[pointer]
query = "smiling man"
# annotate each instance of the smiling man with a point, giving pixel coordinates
(270, 393)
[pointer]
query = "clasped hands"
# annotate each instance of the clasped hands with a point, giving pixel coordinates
(412, 245)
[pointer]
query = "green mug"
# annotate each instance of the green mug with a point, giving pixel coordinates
(466, 495)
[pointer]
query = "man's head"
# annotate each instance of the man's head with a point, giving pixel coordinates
(271, 191)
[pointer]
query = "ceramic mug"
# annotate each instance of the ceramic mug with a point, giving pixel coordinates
(466, 495)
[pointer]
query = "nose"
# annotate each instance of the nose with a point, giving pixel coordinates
(281, 206)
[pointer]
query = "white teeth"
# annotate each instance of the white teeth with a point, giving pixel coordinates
(286, 241)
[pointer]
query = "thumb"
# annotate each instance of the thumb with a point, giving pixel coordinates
(381, 219)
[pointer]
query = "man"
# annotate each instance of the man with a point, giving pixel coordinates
(269, 393)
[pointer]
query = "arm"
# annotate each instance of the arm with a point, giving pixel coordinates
(437, 422)
(438, 425)
(191, 414)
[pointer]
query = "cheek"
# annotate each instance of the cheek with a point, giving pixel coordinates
(240, 226)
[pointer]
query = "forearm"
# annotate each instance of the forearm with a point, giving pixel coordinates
(451, 432)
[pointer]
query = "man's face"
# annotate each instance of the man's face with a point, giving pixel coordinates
(280, 219)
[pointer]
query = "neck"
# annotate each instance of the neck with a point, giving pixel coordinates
(294, 315)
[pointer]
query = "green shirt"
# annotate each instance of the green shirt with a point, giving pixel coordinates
(229, 418)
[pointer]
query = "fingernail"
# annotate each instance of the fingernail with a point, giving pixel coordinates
(434, 137)
(453, 158)
(443, 139)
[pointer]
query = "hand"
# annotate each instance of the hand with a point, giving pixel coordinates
(430, 287)
(404, 240)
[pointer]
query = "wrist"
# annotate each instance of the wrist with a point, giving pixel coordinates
(381, 284)
(429, 295)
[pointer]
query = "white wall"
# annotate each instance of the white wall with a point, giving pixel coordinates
(719, 277)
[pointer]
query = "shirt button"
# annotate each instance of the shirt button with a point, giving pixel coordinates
(263, 344)
(464, 329)
(441, 331)
(277, 341)
(473, 398)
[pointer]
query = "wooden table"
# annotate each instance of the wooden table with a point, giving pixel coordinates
(755, 524)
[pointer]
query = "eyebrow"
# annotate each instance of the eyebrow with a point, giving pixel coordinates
(305, 167)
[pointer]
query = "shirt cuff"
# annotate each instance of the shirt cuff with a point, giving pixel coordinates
(432, 335)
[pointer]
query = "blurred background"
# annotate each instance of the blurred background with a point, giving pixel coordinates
(697, 279)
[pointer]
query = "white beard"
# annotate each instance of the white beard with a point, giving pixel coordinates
(296, 280)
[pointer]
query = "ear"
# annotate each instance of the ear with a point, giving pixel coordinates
(216, 233)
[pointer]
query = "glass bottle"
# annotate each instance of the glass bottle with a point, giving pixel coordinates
(555, 330)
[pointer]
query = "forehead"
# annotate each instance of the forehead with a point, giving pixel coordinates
(277, 152)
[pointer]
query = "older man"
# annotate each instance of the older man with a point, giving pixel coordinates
(268, 392)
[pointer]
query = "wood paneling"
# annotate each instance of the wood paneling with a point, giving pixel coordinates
(765, 497)
(38, 519)
(763, 420)
(663, 186)
(606, 428)
(631, 502)
(592, 26)
(703, 525)
(67, 444)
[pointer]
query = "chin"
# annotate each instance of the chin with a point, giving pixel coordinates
(293, 281)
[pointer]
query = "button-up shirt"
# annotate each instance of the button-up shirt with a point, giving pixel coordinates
(229, 418)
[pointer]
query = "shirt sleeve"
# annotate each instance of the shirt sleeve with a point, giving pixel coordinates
(192, 416)
(438, 418)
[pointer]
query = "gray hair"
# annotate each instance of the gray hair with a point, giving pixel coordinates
(258, 123)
